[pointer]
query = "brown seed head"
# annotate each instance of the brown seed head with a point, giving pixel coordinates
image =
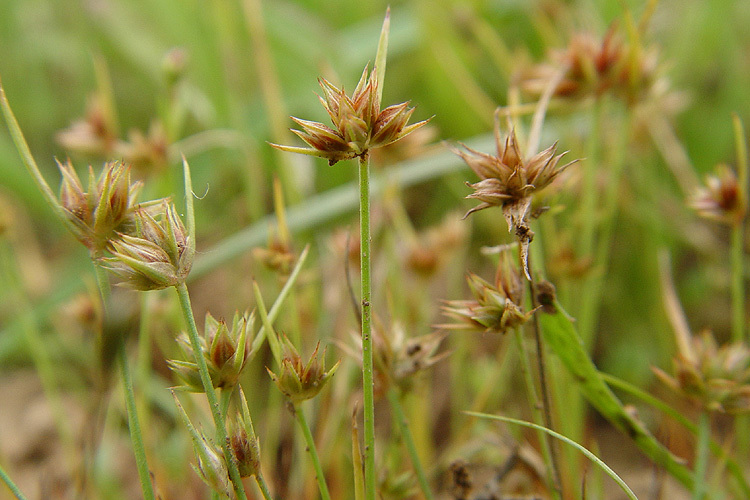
(358, 122)
(721, 198)
(717, 378)
(105, 209)
(595, 66)
(226, 349)
(299, 381)
(159, 257)
(509, 182)
(495, 308)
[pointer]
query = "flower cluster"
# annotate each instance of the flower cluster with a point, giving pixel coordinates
(160, 256)
(300, 381)
(496, 308)
(718, 378)
(593, 67)
(226, 349)
(107, 208)
(359, 123)
(509, 181)
(721, 198)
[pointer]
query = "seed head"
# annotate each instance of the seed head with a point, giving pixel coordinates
(509, 182)
(299, 381)
(593, 67)
(496, 308)
(358, 122)
(721, 198)
(212, 468)
(108, 207)
(159, 257)
(226, 351)
(246, 450)
(717, 378)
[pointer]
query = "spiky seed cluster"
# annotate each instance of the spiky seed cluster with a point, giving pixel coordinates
(359, 123)
(721, 198)
(496, 308)
(245, 449)
(399, 358)
(108, 207)
(509, 182)
(211, 467)
(159, 257)
(717, 378)
(226, 349)
(594, 67)
(299, 381)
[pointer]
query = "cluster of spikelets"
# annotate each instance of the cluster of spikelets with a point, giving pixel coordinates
(145, 244)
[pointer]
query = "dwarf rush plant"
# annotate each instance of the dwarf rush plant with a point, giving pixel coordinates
(512, 266)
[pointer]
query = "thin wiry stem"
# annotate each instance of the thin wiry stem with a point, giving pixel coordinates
(11, 485)
(367, 364)
(319, 476)
(536, 409)
(134, 427)
(403, 425)
(136, 436)
(213, 401)
(541, 367)
(701, 456)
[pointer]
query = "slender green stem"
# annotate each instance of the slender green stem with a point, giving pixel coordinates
(367, 367)
(302, 421)
(536, 409)
(136, 437)
(213, 401)
(738, 236)
(701, 456)
(134, 427)
(263, 486)
(403, 425)
(11, 485)
(738, 283)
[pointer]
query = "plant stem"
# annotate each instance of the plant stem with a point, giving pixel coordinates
(213, 402)
(11, 485)
(302, 421)
(367, 370)
(134, 427)
(545, 400)
(403, 425)
(738, 283)
(535, 407)
(136, 436)
(263, 486)
(701, 455)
